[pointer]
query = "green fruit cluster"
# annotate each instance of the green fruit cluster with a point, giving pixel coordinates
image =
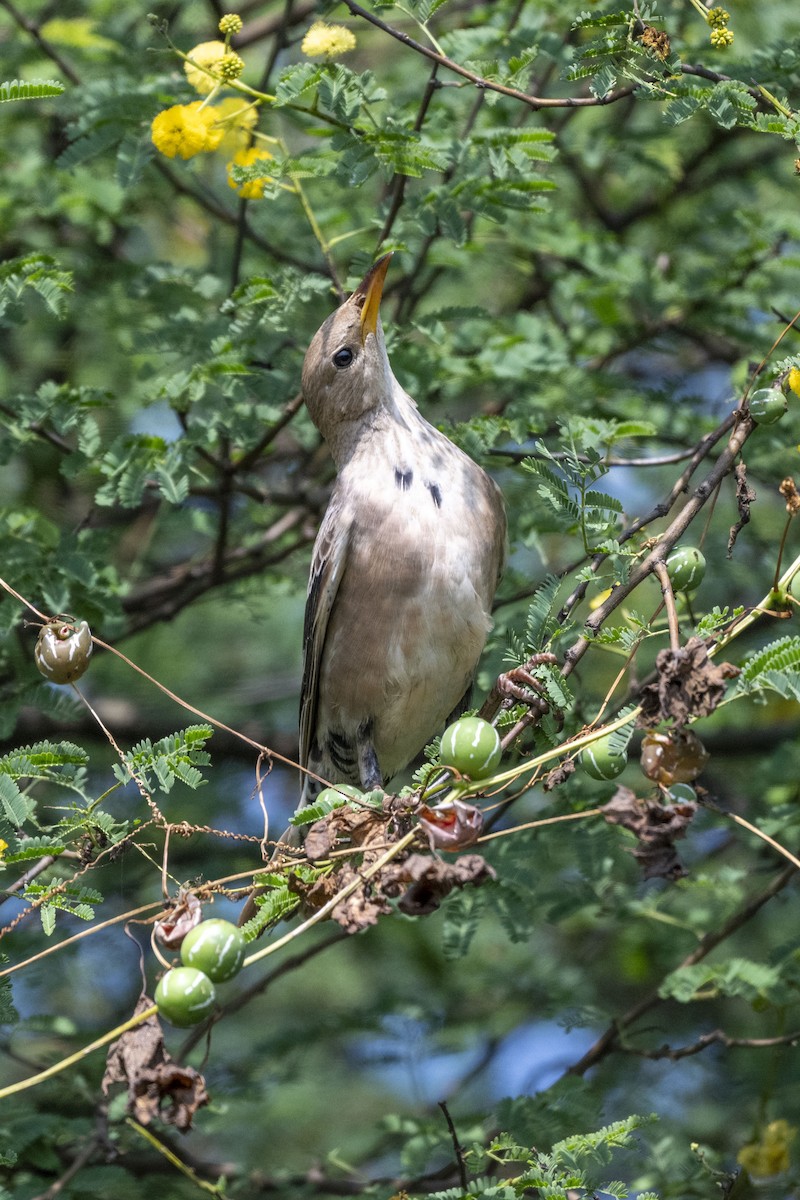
(212, 952)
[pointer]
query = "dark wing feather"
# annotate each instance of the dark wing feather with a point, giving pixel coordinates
(327, 567)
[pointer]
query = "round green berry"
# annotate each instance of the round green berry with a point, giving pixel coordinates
(185, 996)
(601, 762)
(682, 793)
(335, 796)
(767, 405)
(472, 747)
(686, 566)
(215, 947)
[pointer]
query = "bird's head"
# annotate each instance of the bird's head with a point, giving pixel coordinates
(346, 370)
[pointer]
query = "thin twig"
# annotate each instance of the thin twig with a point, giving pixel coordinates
(660, 569)
(457, 1147)
(610, 1039)
(701, 494)
(488, 84)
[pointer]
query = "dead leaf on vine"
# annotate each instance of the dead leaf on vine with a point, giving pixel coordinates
(453, 825)
(689, 685)
(183, 915)
(157, 1085)
(559, 774)
(656, 827)
(744, 499)
(357, 826)
(428, 880)
(355, 912)
(420, 880)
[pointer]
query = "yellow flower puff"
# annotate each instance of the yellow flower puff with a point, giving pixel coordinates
(328, 40)
(253, 190)
(234, 119)
(185, 130)
(794, 380)
(771, 1155)
(208, 55)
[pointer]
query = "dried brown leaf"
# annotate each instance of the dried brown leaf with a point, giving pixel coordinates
(656, 827)
(688, 686)
(172, 928)
(745, 496)
(157, 1085)
(559, 774)
(454, 825)
(428, 880)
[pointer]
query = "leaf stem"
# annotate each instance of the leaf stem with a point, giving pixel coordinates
(62, 1065)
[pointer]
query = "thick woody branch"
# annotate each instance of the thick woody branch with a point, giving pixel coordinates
(723, 466)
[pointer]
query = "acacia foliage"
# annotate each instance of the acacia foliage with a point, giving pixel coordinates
(594, 215)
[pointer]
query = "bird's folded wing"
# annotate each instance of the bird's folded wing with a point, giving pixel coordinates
(327, 567)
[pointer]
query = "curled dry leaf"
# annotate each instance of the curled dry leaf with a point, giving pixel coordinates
(358, 827)
(745, 495)
(559, 774)
(688, 686)
(428, 880)
(157, 1085)
(454, 825)
(172, 928)
(656, 827)
(419, 879)
(357, 911)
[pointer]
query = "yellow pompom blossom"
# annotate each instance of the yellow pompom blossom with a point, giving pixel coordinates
(253, 190)
(208, 55)
(185, 130)
(794, 380)
(327, 40)
(770, 1156)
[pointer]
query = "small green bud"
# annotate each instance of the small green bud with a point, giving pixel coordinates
(230, 23)
(721, 37)
(230, 67)
(717, 17)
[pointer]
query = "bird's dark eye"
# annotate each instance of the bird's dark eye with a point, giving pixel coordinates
(342, 358)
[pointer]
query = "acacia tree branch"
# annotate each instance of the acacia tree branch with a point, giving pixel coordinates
(164, 596)
(716, 1037)
(47, 48)
(610, 1040)
(489, 84)
(723, 466)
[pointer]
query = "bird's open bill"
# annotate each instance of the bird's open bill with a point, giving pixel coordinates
(371, 287)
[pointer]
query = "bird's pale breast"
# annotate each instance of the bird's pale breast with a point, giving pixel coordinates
(416, 591)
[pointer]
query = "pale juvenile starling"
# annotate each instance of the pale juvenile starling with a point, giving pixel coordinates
(405, 565)
(404, 568)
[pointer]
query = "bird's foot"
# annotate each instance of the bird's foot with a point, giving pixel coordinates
(520, 686)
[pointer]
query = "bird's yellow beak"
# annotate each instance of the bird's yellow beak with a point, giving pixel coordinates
(371, 288)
